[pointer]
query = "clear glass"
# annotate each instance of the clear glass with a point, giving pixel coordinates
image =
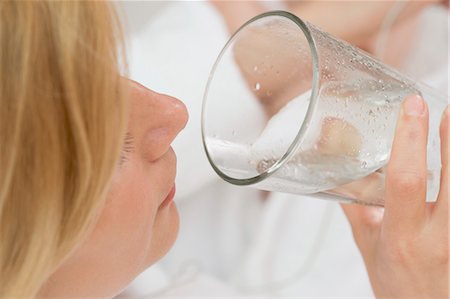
(290, 108)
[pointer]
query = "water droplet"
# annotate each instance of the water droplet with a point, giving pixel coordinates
(257, 86)
(255, 68)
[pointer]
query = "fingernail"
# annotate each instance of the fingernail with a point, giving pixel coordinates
(414, 106)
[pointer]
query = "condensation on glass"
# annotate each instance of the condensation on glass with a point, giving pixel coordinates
(290, 108)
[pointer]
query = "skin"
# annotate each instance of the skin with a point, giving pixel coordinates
(405, 246)
(134, 228)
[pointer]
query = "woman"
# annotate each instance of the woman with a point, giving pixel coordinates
(63, 124)
(81, 217)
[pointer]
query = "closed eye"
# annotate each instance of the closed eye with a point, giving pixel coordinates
(127, 148)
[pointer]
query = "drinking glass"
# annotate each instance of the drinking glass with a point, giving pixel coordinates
(290, 108)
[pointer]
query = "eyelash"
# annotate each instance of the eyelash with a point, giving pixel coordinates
(127, 148)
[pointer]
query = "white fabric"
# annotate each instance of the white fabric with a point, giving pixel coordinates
(232, 240)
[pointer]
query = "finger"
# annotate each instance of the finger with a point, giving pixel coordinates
(406, 174)
(365, 222)
(368, 190)
(442, 201)
(363, 218)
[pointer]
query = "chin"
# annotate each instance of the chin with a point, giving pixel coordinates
(165, 231)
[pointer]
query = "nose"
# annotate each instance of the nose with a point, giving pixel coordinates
(161, 117)
(174, 111)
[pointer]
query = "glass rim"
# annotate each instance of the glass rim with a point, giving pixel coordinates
(311, 106)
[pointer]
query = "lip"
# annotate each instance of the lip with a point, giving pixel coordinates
(169, 198)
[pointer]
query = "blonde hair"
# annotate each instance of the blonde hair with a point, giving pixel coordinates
(62, 118)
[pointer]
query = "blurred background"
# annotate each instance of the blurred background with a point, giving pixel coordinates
(243, 242)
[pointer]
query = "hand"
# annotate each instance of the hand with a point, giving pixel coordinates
(405, 246)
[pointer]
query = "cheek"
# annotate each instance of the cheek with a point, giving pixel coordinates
(165, 231)
(125, 227)
(131, 210)
(116, 250)
(133, 215)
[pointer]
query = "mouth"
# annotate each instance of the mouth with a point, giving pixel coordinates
(169, 198)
